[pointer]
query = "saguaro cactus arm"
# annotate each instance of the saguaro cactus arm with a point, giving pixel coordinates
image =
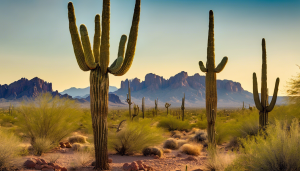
(88, 54)
(104, 47)
(117, 64)
(222, 64)
(78, 50)
(97, 38)
(255, 93)
(274, 98)
(130, 51)
(202, 67)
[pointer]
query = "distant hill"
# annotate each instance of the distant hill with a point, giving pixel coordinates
(230, 93)
(83, 92)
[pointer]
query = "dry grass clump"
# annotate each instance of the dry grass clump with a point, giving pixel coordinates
(82, 158)
(76, 146)
(77, 139)
(167, 150)
(8, 149)
(171, 143)
(191, 149)
(41, 145)
(218, 161)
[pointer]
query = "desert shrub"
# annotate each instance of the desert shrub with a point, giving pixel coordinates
(147, 151)
(191, 149)
(277, 149)
(7, 120)
(82, 158)
(76, 146)
(77, 139)
(176, 136)
(200, 136)
(8, 149)
(171, 143)
(181, 143)
(219, 161)
(157, 151)
(49, 118)
(135, 137)
(172, 123)
(42, 145)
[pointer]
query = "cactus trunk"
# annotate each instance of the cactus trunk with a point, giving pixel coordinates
(143, 107)
(99, 109)
(210, 81)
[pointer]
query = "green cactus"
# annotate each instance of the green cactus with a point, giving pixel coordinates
(128, 100)
(136, 111)
(182, 106)
(210, 81)
(156, 107)
(143, 107)
(263, 104)
(243, 106)
(96, 61)
(167, 105)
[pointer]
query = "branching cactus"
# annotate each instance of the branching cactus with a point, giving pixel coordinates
(128, 100)
(210, 80)
(263, 104)
(136, 111)
(143, 107)
(182, 107)
(167, 105)
(96, 61)
(156, 107)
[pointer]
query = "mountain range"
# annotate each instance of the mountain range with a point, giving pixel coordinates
(83, 92)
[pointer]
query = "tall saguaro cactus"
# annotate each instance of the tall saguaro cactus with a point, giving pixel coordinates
(96, 61)
(128, 100)
(263, 104)
(210, 80)
(136, 111)
(156, 107)
(143, 107)
(167, 105)
(182, 106)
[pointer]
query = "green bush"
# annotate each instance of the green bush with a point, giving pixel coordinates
(277, 149)
(8, 149)
(49, 118)
(135, 137)
(42, 145)
(172, 123)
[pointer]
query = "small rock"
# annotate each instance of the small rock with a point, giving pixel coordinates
(51, 164)
(63, 169)
(126, 166)
(29, 163)
(68, 145)
(63, 146)
(38, 161)
(179, 155)
(47, 169)
(43, 161)
(156, 157)
(110, 160)
(134, 166)
(38, 167)
(62, 150)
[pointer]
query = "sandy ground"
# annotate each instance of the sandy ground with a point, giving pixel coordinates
(169, 162)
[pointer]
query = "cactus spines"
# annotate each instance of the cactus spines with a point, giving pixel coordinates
(96, 62)
(182, 106)
(136, 111)
(128, 100)
(263, 104)
(167, 105)
(210, 80)
(143, 107)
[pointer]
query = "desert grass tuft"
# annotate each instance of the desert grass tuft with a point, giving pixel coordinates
(171, 143)
(77, 139)
(191, 149)
(8, 149)
(172, 124)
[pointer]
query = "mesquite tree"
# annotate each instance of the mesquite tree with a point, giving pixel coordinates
(263, 104)
(96, 61)
(210, 81)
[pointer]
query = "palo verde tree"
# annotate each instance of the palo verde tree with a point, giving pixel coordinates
(263, 104)
(96, 61)
(210, 81)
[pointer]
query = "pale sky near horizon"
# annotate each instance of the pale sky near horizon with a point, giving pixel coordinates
(35, 39)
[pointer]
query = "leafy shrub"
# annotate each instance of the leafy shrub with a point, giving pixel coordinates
(172, 123)
(48, 118)
(277, 149)
(135, 137)
(42, 145)
(191, 149)
(171, 143)
(8, 149)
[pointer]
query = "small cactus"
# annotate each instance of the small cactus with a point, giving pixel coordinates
(263, 104)
(143, 107)
(128, 100)
(167, 105)
(156, 107)
(243, 106)
(136, 111)
(210, 81)
(182, 106)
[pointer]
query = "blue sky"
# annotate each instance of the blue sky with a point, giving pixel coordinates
(35, 39)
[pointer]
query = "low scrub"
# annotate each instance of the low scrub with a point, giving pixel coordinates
(219, 161)
(172, 124)
(276, 149)
(9, 148)
(191, 149)
(171, 143)
(77, 139)
(135, 137)
(42, 145)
